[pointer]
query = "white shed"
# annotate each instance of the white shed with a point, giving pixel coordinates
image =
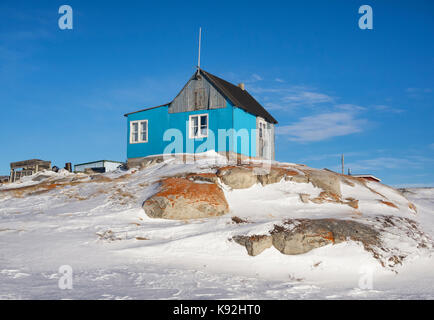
(98, 166)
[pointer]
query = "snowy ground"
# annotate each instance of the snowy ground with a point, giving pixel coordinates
(116, 252)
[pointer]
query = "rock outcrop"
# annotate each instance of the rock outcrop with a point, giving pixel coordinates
(328, 181)
(254, 244)
(299, 236)
(182, 198)
(276, 174)
(242, 177)
(303, 235)
(237, 177)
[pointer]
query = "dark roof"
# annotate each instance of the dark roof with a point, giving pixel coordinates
(241, 98)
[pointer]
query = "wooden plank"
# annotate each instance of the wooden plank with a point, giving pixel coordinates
(197, 89)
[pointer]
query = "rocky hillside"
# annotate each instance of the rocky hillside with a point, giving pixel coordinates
(291, 208)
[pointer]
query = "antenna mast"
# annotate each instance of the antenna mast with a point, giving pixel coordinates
(198, 60)
(342, 160)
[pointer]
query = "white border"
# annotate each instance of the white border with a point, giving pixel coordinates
(190, 132)
(139, 132)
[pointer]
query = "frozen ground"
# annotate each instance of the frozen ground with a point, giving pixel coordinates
(116, 252)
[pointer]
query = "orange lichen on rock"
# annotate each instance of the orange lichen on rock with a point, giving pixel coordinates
(412, 207)
(174, 188)
(329, 236)
(326, 196)
(182, 198)
(388, 203)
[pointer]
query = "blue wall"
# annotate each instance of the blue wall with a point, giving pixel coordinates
(245, 120)
(159, 120)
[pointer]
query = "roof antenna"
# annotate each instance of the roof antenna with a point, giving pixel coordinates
(198, 60)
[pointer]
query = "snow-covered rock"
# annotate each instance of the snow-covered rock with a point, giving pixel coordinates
(181, 198)
(96, 224)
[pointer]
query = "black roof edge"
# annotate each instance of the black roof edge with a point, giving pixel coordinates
(234, 100)
(161, 105)
(80, 164)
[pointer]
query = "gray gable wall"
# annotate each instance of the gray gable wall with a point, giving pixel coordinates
(200, 90)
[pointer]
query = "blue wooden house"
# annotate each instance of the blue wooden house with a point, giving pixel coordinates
(209, 113)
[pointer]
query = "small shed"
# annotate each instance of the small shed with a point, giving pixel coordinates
(24, 168)
(4, 179)
(369, 177)
(100, 166)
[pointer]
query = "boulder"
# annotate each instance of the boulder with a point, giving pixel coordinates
(204, 177)
(327, 196)
(276, 174)
(182, 198)
(353, 203)
(237, 177)
(254, 244)
(304, 197)
(328, 181)
(298, 179)
(302, 235)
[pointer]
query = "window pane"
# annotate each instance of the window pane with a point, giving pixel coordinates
(144, 131)
(203, 121)
(135, 137)
(135, 127)
(203, 131)
(194, 124)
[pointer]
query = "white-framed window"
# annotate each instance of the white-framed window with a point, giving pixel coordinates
(198, 124)
(139, 131)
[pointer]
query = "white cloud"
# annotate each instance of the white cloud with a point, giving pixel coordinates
(418, 92)
(279, 80)
(350, 107)
(328, 156)
(384, 108)
(323, 126)
(306, 98)
(410, 162)
(413, 90)
(256, 77)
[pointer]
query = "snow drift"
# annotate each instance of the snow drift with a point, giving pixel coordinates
(96, 222)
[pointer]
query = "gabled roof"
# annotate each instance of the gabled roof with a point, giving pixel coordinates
(239, 97)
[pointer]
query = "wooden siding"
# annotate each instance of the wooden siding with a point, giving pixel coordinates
(198, 94)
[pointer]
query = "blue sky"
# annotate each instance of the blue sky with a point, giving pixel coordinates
(333, 87)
